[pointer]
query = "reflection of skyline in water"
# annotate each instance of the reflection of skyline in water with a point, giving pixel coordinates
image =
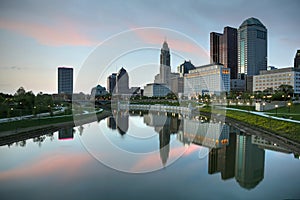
(66, 133)
(232, 153)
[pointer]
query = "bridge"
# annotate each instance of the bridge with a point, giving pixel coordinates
(159, 108)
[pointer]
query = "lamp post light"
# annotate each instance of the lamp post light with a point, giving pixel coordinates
(289, 105)
(276, 106)
(264, 106)
(248, 104)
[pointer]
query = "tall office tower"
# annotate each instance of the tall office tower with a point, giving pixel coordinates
(165, 67)
(252, 48)
(65, 80)
(297, 60)
(215, 47)
(122, 85)
(185, 67)
(223, 49)
(111, 83)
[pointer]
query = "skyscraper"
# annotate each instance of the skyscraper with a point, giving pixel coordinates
(65, 80)
(122, 84)
(223, 49)
(297, 60)
(252, 48)
(215, 47)
(165, 67)
(111, 83)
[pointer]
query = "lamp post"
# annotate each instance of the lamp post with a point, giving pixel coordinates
(264, 106)
(248, 104)
(289, 105)
(276, 106)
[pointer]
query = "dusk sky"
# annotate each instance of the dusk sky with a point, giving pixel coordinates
(37, 36)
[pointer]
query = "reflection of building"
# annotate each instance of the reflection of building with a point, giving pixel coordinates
(252, 48)
(223, 49)
(265, 144)
(212, 79)
(276, 77)
(249, 163)
(65, 80)
(165, 126)
(211, 135)
(111, 123)
(223, 159)
(120, 121)
(65, 133)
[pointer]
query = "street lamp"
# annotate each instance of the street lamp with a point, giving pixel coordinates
(276, 106)
(264, 106)
(289, 105)
(248, 104)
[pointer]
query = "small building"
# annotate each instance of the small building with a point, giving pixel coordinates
(211, 79)
(156, 90)
(98, 91)
(237, 85)
(276, 77)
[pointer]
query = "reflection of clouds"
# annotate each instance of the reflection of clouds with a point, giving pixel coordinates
(151, 161)
(65, 164)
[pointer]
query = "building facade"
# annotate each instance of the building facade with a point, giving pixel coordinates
(98, 91)
(297, 60)
(208, 79)
(111, 83)
(276, 77)
(252, 48)
(184, 68)
(156, 90)
(122, 82)
(65, 80)
(165, 65)
(223, 49)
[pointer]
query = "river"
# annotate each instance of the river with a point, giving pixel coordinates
(149, 155)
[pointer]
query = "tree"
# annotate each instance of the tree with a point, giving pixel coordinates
(286, 89)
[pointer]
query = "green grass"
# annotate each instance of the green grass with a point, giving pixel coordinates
(294, 112)
(16, 125)
(286, 129)
(248, 108)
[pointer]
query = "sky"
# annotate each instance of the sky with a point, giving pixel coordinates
(97, 37)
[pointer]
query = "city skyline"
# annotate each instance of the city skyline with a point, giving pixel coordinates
(36, 38)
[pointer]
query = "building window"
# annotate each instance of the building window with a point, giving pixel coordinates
(261, 34)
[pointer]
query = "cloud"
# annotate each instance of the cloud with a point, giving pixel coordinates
(12, 68)
(66, 32)
(177, 41)
(153, 161)
(49, 165)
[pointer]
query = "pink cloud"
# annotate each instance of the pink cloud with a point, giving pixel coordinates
(182, 44)
(65, 164)
(153, 161)
(66, 33)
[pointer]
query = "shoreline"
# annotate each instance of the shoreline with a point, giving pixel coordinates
(7, 137)
(294, 146)
(25, 133)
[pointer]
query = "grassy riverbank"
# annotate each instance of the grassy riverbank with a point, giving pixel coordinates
(51, 121)
(286, 129)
